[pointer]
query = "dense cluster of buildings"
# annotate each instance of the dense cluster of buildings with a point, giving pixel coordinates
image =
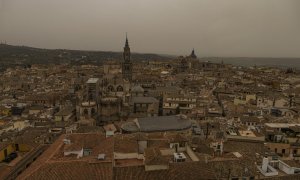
(185, 118)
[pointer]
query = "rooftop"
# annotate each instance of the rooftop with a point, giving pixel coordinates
(92, 80)
(159, 123)
(164, 123)
(144, 100)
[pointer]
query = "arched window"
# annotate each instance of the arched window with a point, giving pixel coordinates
(110, 88)
(93, 111)
(120, 89)
(85, 112)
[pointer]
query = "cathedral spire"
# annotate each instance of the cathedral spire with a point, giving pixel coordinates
(193, 55)
(127, 65)
(126, 43)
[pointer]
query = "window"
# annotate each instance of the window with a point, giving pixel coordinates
(275, 150)
(5, 152)
(119, 88)
(110, 88)
(87, 152)
(182, 144)
(93, 111)
(283, 151)
(295, 151)
(17, 147)
(85, 112)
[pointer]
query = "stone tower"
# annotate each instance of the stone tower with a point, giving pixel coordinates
(193, 55)
(127, 64)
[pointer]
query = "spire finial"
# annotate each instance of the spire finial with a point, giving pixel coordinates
(126, 43)
(193, 55)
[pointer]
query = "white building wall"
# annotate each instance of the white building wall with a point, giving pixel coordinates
(128, 156)
(286, 168)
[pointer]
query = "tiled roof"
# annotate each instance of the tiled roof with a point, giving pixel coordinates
(177, 138)
(98, 143)
(153, 157)
(233, 167)
(83, 141)
(163, 123)
(176, 171)
(244, 147)
(73, 170)
(144, 100)
(158, 143)
(125, 144)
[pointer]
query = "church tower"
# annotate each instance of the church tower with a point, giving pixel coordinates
(127, 65)
(193, 55)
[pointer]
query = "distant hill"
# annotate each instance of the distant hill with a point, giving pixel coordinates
(11, 56)
(28, 55)
(258, 61)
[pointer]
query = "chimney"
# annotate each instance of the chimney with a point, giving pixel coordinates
(265, 164)
(221, 147)
(206, 159)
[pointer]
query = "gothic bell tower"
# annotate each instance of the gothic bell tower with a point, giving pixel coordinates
(127, 65)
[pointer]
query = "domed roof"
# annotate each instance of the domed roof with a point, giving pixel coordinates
(137, 89)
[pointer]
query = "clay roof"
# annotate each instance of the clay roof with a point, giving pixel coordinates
(158, 143)
(163, 123)
(176, 171)
(177, 138)
(145, 100)
(30, 135)
(73, 170)
(110, 127)
(98, 143)
(233, 167)
(64, 112)
(244, 147)
(153, 157)
(125, 144)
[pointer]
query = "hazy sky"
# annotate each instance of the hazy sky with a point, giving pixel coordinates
(262, 28)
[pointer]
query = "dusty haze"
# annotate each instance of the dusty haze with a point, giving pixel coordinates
(256, 28)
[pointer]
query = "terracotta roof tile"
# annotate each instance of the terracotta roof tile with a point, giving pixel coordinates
(73, 170)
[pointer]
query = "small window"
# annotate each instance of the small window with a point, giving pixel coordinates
(283, 151)
(110, 88)
(295, 151)
(119, 88)
(93, 111)
(85, 112)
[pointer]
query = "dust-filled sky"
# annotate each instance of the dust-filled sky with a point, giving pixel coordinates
(256, 28)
